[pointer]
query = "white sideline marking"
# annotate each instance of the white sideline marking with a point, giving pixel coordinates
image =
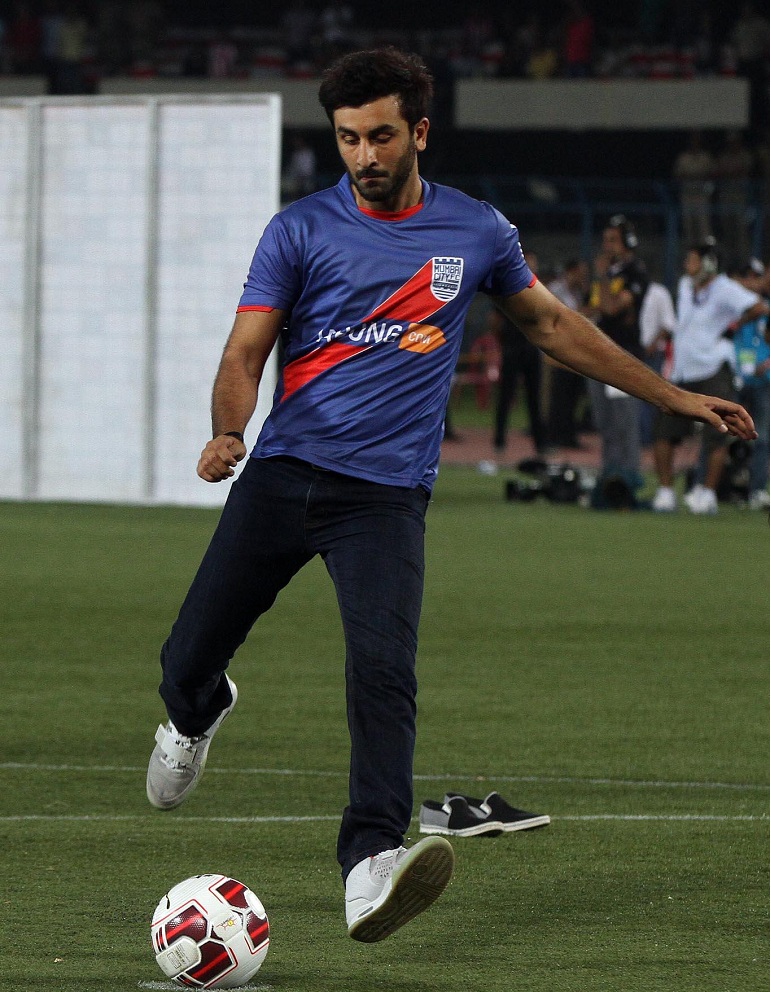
(173, 985)
(666, 817)
(455, 777)
(109, 818)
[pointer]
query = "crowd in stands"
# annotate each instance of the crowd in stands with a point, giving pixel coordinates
(76, 43)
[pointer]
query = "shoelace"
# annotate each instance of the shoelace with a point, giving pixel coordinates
(188, 743)
(383, 864)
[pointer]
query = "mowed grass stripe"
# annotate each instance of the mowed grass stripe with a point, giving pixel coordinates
(149, 817)
(443, 777)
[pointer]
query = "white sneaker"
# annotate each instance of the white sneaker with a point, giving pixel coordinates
(701, 500)
(758, 500)
(665, 500)
(177, 763)
(384, 892)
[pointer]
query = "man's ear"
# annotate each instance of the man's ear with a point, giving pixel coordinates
(420, 132)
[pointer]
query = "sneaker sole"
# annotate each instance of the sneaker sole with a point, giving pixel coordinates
(494, 829)
(418, 882)
(536, 821)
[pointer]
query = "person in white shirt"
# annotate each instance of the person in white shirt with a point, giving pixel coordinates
(657, 325)
(708, 303)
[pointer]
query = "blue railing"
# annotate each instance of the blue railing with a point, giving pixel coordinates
(568, 214)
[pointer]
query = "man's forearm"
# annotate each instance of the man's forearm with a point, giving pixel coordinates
(576, 342)
(234, 396)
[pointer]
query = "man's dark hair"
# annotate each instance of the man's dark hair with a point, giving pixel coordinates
(361, 77)
(709, 251)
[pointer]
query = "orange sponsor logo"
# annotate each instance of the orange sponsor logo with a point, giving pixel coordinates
(422, 338)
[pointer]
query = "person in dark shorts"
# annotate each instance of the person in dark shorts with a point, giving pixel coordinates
(708, 303)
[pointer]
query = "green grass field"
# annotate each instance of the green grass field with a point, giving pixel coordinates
(610, 670)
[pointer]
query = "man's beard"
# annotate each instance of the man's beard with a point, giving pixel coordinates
(390, 185)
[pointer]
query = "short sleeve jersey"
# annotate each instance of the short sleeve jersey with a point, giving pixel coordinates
(376, 307)
(704, 316)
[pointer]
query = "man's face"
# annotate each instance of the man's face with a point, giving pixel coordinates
(692, 264)
(379, 150)
(578, 276)
(613, 244)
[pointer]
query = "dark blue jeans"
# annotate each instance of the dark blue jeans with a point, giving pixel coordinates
(280, 513)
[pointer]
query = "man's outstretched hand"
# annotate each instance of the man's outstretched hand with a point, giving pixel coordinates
(725, 416)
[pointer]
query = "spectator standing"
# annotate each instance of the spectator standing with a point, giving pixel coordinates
(708, 303)
(750, 42)
(579, 41)
(657, 325)
(221, 57)
(752, 364)
(520, 360)
(694, 170)
(749, 37)
(23, 40)
(145, 21)
(111, 33)
(619, 287)
(51, 22)
(566, 388)
(73, 37)
(336, 24)
(734, 168)
(297, 24)
(544, 60)
(300, 175)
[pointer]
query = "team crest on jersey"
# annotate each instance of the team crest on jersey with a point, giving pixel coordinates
(446, 276)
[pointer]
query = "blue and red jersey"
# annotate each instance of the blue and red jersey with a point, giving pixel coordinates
(376, 307)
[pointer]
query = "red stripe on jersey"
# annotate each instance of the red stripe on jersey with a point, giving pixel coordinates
(413, 301)
(260, 309)
(532, 282)
(302, 370)
(392, 215)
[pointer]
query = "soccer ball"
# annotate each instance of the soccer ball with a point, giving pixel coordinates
(210, 932)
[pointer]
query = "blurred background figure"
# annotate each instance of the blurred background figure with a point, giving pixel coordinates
(51, 21)
(657, 325)
(111, 33)
(221, 57)
(23, 39)
(708, 303)
(734, 168)
(298, 22)
(752, 364)
(619, 287)
(73, 36)
(300, 176)
(567, 388)
(694, 170)
(336, 24)
(145, 19)
(578, 43)
(749, 37)
(520, 362)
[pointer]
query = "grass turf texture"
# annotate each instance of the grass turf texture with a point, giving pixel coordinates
(610, 670)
